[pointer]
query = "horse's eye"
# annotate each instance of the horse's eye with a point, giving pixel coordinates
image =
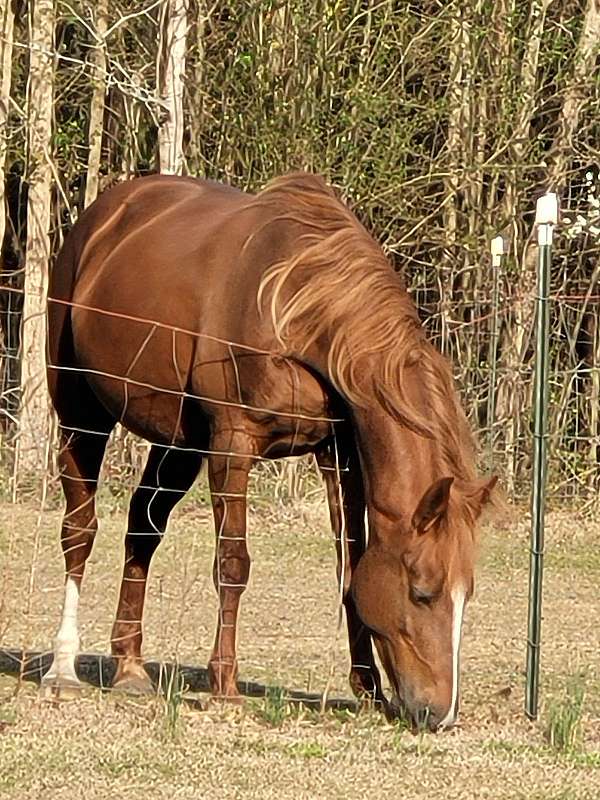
(421, 597)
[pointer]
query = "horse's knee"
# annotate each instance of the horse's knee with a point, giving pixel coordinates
(231, 568)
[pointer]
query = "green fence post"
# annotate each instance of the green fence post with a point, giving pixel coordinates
(546, 218)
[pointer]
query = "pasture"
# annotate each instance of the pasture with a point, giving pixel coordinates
(178, 745)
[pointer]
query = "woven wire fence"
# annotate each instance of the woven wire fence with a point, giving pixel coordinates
(291, 631)
(486, 328)
(290, 622)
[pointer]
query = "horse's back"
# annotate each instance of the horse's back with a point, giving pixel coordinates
(159, 282)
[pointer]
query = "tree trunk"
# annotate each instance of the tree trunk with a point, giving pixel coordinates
(97, 104)
(457, 98)
(593, 396)
(171, 75)
(195, 95)
(6, 45)
(34, 418)
(576, 94)
(512, 390)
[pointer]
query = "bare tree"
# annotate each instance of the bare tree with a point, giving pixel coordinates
(97, 103)
(6, 46)
(34, 420)
(576, 94)
(171, 75)
(515, 340)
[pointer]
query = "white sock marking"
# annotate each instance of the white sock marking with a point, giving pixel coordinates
(66, 643)
(458, 608)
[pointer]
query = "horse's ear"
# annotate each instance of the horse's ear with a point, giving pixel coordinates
(481, 494)
(432, 505)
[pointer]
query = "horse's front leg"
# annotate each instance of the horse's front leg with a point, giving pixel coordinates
(345, 497)
(228, 477)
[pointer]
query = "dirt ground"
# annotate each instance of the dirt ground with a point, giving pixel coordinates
(106, 744)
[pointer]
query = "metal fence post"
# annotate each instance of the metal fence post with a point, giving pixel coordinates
(546, 218)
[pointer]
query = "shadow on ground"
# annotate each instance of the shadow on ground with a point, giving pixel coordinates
(98, 670)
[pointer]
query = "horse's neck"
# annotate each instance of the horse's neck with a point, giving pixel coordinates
(398, 466)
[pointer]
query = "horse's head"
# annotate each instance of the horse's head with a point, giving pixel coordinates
(412, 593)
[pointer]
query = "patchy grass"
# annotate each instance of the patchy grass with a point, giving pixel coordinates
(173, 692)
(274, 707)
(105, 744)
(564, 717)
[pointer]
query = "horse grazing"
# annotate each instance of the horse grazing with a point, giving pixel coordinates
(237, 327)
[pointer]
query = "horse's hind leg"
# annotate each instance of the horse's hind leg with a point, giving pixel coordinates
(168, 475)
(345, 496)
(80, 458)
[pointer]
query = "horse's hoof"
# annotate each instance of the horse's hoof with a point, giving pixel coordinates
(60, 687)
(230, 699)
(133, 679)
(134, 685)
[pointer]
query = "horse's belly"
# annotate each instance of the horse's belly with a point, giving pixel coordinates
(140, 373)
(168, 385)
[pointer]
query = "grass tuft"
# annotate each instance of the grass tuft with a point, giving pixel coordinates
(273, 710)
(564, 719)
(173, 693)
(308, 750)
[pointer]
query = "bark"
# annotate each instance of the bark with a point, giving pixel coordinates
(6, 46)
(515, 341)
(575, 96)
(196, 91)
(593, 397)
(34, 419)
(97, 104)
(458, 100)
(171, 74)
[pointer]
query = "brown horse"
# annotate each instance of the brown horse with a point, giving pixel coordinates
(235, 327)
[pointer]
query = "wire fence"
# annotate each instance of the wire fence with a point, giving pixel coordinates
(255, 104)
(279, 491)
(497, 384)
(182, 598)
(474, 334)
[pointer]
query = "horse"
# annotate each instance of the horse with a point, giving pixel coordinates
(235, 327)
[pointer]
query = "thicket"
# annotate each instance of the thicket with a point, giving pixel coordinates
(440, 123)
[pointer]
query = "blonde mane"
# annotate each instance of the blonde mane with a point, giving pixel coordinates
(338, 290)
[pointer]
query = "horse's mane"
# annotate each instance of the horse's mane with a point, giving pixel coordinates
(338, 288)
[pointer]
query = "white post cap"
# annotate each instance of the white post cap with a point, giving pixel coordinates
(546, 210)
(497, 246)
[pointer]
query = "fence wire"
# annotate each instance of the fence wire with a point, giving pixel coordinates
(181, 604)
(302, 646)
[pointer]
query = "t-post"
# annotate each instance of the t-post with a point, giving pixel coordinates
(546, 218)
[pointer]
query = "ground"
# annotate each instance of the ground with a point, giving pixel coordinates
(106, 744)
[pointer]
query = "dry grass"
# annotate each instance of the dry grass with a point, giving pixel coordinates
(106, 743)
